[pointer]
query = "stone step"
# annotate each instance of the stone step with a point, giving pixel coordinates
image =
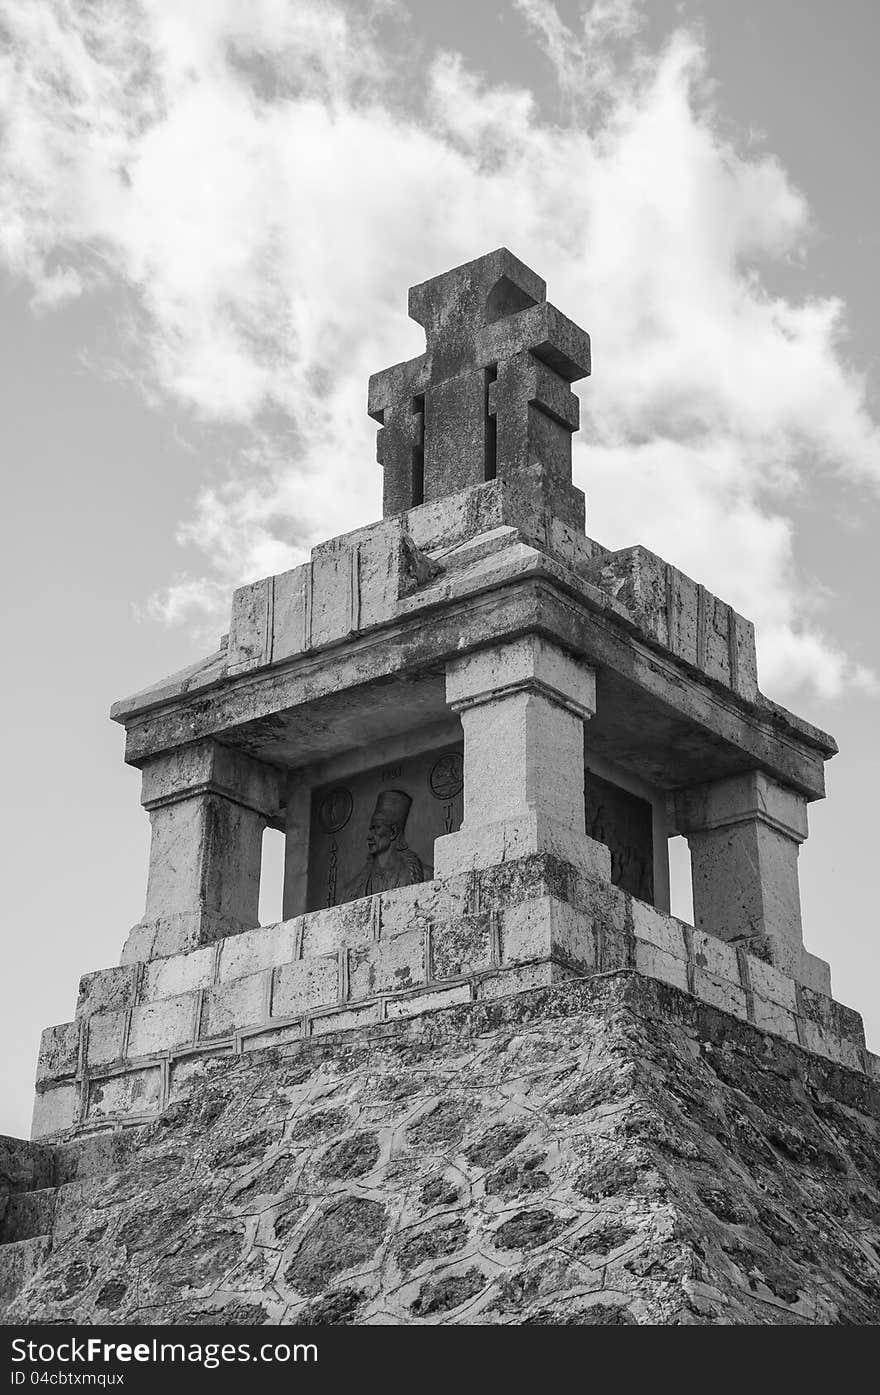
(28, 1214)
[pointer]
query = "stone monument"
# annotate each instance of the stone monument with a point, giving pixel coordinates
(445, 1087)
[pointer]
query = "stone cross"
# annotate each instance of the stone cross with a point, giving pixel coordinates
(490, 397)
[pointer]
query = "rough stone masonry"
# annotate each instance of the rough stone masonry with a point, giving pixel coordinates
(478, 1072)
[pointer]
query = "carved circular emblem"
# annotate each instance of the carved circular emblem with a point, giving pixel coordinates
(447, 776)
(334, 810)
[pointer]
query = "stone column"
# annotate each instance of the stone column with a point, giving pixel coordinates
(744, 834)
(208, 807)
(523, 705)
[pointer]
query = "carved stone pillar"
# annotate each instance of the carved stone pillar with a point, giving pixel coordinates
(208, 806)
(523, 705)
(744, 835)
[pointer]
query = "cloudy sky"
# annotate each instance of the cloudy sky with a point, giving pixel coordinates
(209, 216)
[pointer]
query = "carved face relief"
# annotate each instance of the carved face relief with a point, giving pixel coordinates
(376, 831)
(380, 836)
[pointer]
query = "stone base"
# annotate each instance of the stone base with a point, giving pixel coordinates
(142, 1029)
(176, 934)
(526, 835)
(600, 1151)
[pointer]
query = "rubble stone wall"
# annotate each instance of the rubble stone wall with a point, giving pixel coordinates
(610, 1150)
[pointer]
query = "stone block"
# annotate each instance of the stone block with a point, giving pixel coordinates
(308, 983)
(742, 799)
(834, 1048)
(720, 993)
(162, 1026)
(250, 626)
(272, 1036)
(169, 935)
(815, 973)
(132, 1092)
(24, 1167)
(442, 523)
(243, 1002)
(413, 908)
(179, 973)
(659, 929)
(184, 1071)
(19, 1263)
(548, 928)
(431, 1001)
(606, 903)
(209, 767)
(55, 1111)
(140, 943)
(768, 983)
(290, 609)
(515, 838)
(28, 1214)
(338, 927)
(253, 950)
(107, 990)
(380, 565)
(771, 1016)
(59, 1052)
(658, 963)
(355, 581)
(343, 1018)
(614, 950)
(205, 854)
(684, 617)
(387, 967)
(572, 547)
(461, 946)
(488, 674)
(105, 1037)
(715, 956)
(519, 977)
(832, 1017)
(509, 883)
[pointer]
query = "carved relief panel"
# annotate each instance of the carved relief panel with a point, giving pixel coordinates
(376, 830)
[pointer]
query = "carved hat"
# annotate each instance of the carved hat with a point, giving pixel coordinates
(392, 807)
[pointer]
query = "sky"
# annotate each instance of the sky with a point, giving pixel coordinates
(209, 217)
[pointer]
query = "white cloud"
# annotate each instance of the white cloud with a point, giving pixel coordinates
(248, 170)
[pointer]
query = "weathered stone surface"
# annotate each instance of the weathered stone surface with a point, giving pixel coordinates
(523, 707)
(744, 833)
(527, 923)
(684, 617)
(607, 1152)
(499, 1083)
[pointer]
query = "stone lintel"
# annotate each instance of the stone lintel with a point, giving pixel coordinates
(210, 767)
(750, 797)
(717, 730)
(530, 663)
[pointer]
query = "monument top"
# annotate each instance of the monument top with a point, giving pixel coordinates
(489, 398)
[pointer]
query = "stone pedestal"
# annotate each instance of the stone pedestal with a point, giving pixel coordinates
(523, 706)
(208, 807)
(744, 834)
